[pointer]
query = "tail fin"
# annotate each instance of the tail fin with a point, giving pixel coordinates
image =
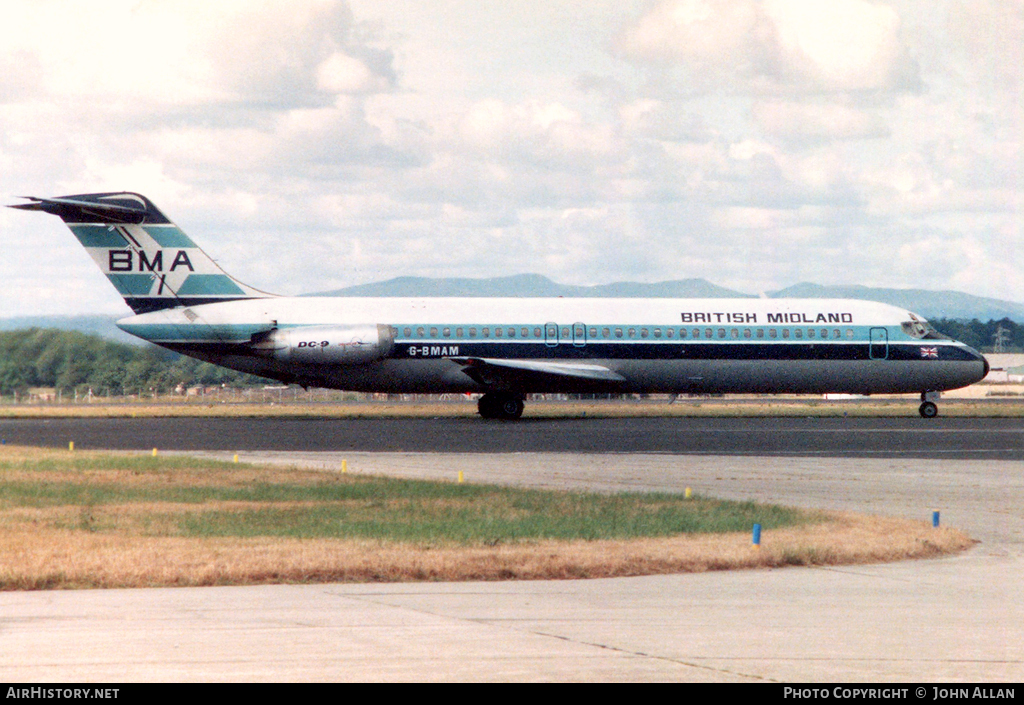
(150, 262)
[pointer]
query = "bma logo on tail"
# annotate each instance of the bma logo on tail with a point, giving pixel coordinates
(123, 261)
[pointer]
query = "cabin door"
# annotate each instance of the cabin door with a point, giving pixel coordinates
(579, 335)
(879, 348)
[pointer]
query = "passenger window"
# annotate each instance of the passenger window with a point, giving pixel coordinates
(657, 332)
(537, 333)
(746, 333)
(721, 332)
(525, 332)
(408, 332)
(447, 332)
(565, 333)
(810, 333)
(735, 334)
(760, 333)
(433, 332)
(486, 332)
(511, 332)
(643, 333)
(593, 332)
(849, 333)
(836, 334)
(669, 332)
(772, 333)
(420, 332)
(824, 332)
(472, 332)
(632, 332)
(497, 332)
(618, 332)
(708, 333)
(798, 332)
(785, 332)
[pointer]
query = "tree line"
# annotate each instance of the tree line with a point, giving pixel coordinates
(70, 360)
(982, 336)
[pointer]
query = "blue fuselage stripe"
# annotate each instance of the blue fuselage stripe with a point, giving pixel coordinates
(692, 350)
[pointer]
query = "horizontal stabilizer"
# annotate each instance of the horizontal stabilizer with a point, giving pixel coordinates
(98, 208)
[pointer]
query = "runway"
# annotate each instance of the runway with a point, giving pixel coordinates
(952, 438)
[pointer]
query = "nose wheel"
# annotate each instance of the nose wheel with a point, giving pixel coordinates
(928, 409)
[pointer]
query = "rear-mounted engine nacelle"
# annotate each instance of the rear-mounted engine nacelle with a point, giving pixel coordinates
(329, 345)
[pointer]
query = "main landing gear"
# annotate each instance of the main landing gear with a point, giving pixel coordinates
(928, 408)
(500, 405)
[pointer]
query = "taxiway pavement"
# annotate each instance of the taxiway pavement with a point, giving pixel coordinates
(894, 437)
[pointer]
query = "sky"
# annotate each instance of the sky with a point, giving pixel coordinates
(309, 145)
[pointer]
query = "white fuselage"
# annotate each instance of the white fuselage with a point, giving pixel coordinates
(589, 344)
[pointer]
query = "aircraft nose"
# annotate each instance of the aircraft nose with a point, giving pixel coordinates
(987, 366)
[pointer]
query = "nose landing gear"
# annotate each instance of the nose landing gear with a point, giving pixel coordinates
(928, 408)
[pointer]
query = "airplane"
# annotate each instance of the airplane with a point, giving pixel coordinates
(504, 348)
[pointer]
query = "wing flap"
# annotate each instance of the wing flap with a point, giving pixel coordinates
(513, 373)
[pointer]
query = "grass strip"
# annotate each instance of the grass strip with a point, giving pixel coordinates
(88, 519)
(160, 497)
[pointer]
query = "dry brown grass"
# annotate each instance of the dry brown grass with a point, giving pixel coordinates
(134, 544)
(51, 558)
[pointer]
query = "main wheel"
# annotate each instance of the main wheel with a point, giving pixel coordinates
(500, 406)
(511, 408)
(928, 410)
(487, 407)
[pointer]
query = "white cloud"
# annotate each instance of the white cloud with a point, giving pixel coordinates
(754, 142)
(663, 120)
(164, 53)
(341, 73)
(841, 45)
(811, 122)
(797, 45)
(706, 33)
(991, 33)
(541, 133)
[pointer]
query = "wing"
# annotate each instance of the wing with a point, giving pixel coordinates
(539, 375)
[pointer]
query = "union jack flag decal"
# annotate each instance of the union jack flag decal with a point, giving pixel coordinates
(929, 352)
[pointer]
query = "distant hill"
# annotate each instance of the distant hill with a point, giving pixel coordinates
(534, 286)
(930, 304)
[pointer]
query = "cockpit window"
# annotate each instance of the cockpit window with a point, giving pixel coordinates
(920, 328)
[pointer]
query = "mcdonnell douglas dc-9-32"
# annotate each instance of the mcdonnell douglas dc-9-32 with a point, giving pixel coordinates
(504, 348)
